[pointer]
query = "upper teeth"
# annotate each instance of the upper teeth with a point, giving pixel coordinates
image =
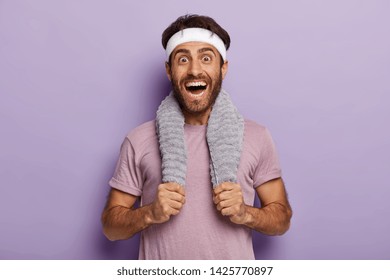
(195, 84)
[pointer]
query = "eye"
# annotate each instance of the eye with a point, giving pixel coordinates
(183, 59)
(206, 58)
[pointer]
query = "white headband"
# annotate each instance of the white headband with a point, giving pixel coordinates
(196, 35)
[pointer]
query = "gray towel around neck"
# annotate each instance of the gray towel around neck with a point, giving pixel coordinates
(225, 133)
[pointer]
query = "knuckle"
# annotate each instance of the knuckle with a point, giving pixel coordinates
(233, 218)
(174, 186)
(160, 197)
(160, 194)
(165, 209)
(225, 212)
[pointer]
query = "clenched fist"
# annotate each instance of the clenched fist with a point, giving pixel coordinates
(169, 200)
(230, 202)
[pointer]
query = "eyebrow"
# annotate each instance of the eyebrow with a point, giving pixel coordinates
(181, 51)
(202, 50)
(206, 50)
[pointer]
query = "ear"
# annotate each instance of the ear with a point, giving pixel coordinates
(224, 69)
(168, 71)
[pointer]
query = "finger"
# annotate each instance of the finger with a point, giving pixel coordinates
(174, 212)
(230, 211)
(175, 196)
(216, 199)
(226, 186)
(168, 210)
(174, 187)
(218, 189)
(227, 203)
(221, 196)
(226, 211)
(181, 190)
(165, 198)
(175, 205)
(226, 195)
(171, 188)
(236, 193)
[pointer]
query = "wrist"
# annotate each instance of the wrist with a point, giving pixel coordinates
(149, 217)
(246, 216)
(242, 217)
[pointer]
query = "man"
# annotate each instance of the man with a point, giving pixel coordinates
(197, 167)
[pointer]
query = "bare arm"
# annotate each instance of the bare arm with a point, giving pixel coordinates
(121, 221)
(273, 218)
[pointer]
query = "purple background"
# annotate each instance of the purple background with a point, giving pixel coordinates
(76, 76)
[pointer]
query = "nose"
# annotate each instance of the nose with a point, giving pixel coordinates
(195, 68)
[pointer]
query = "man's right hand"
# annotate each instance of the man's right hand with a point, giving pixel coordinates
(169, 200)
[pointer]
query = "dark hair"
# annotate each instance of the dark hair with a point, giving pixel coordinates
(188, 21)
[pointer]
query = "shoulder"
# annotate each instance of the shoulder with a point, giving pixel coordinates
(143, 135)
(254, 129)
(143, 130)
(257, 137)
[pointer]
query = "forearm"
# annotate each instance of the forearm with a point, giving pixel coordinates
(272, 219)
(120, 222)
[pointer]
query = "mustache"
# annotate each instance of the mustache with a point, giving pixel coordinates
(190, 78)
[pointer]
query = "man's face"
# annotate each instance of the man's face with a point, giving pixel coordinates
(196, 75)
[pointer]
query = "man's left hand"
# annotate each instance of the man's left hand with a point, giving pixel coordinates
(230, 202)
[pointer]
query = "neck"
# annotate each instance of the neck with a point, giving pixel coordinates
(197, 119)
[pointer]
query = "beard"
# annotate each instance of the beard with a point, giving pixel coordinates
(197, 107)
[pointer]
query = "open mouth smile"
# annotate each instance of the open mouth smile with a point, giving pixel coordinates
(196, 88)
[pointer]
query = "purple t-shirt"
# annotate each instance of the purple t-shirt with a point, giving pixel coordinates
(199, 231)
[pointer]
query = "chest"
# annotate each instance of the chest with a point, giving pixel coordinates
(198, 180)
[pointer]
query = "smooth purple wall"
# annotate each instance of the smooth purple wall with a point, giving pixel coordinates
(76, 76)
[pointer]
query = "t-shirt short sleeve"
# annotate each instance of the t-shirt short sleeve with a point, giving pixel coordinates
(127, 176)
(268, 167)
